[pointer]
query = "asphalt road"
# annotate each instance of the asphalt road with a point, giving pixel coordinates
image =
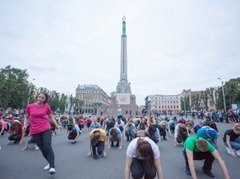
(72, 162)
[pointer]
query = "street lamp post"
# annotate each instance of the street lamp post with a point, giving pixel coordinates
(223, 94)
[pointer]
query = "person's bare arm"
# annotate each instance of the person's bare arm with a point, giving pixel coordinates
(128, 164)
(221, 163)
(157, 163)
(53, 121)
(229, 145)
(191, 163)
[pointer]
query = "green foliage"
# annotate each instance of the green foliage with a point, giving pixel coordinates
(14, 87)
(232, 96)
(232, 92)
(16, 91)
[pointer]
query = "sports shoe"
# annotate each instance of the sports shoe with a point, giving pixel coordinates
(36, 148)
(238, 152)
(46, 167)
(52, 171)
(229, 151)
(208, 173)
(95, 157)
(188, 172)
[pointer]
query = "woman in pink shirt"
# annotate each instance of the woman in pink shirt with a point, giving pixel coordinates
(40, 115)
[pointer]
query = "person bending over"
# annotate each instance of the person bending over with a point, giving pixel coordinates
(97, 143)
(115, 136)
(143, 159)
(196, 148)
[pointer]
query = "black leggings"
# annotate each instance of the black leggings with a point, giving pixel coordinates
(207, 156)
(44, 142)
(15, 137)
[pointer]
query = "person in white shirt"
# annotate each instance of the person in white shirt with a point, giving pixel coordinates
(143, 159)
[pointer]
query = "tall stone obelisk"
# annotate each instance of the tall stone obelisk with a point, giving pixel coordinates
(123, 100)
(123, 85)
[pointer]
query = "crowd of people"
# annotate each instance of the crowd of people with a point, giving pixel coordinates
(198, 141)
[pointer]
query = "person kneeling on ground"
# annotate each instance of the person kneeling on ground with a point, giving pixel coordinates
(74, 133)
(97, 143)
(208, 134)
(16, 132)
(196, 148)
(232, 141)
(115, 135)
(143, 159)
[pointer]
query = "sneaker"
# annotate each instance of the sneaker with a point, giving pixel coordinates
(208, 173)
(238, 152)
(188, 172)
(229, 151)
(95, 157)
(36, 148)
(52, 171)
(46, 167)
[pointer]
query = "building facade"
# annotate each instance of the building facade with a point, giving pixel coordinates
(95, 100)
(163, 104)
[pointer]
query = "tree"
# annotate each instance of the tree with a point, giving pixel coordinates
(232, 92)
(196, 102)
(14, 87)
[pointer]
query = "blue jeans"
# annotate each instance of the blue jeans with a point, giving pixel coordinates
(44, 142)
(129, 134)
(99, 147)
(234, 144)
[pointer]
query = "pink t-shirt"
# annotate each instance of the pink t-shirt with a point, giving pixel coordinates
(3, 123)
(38, 116)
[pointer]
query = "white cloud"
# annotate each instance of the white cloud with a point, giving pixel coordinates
(172, 45)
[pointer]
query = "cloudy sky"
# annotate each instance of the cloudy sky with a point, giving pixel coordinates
(172, 45)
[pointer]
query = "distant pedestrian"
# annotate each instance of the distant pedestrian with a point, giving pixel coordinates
(40, 115)
(143, 159)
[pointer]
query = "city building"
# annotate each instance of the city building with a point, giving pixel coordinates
(200, 100)
(162, 104)
(95, 100)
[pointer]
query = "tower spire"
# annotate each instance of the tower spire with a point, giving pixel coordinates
(123, 85)
(123, 26)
